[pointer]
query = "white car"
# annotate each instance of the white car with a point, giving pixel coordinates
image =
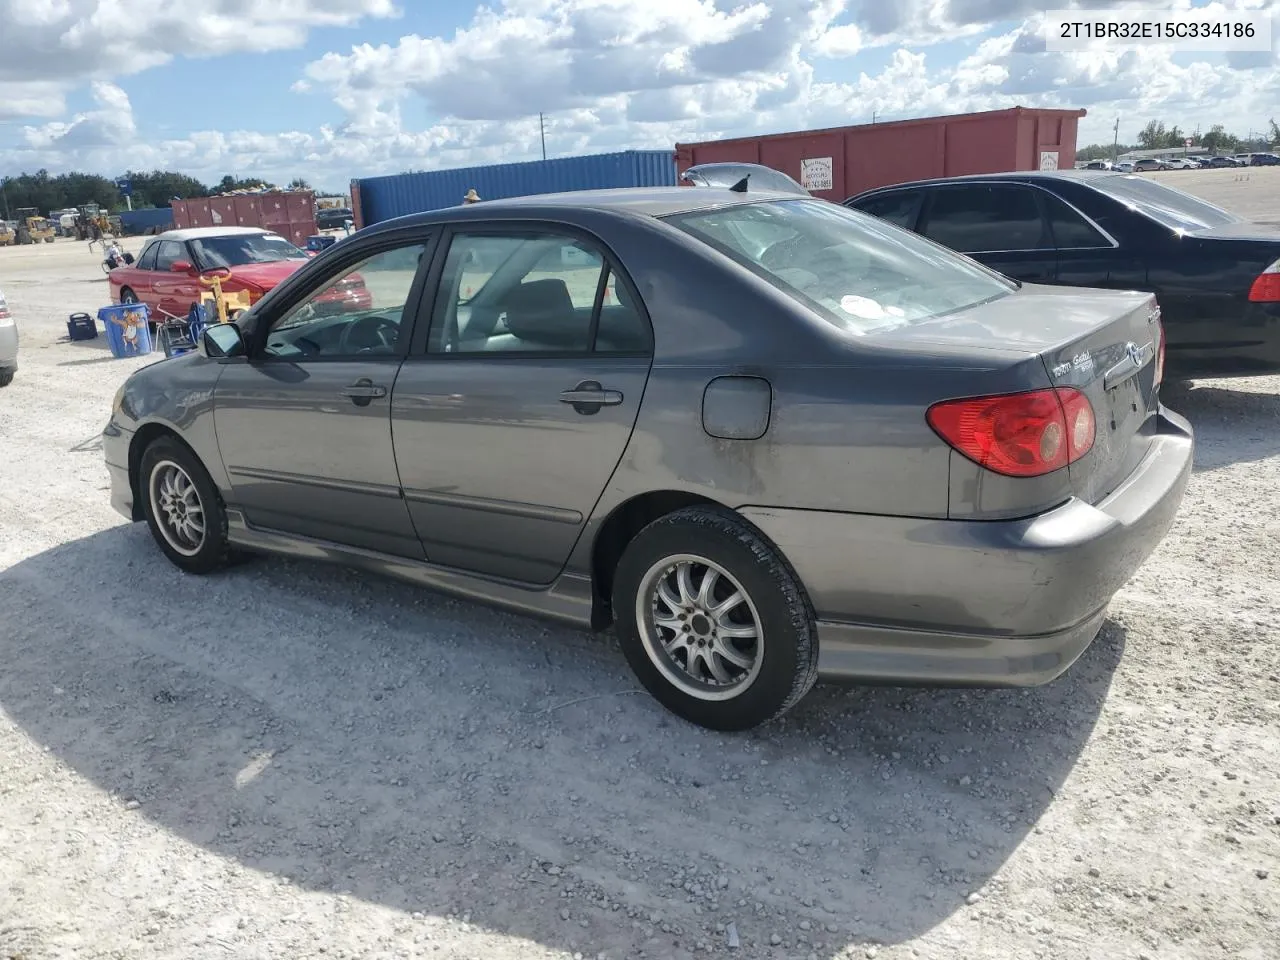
(8, 343)
(1181, 163)
(1124, 167)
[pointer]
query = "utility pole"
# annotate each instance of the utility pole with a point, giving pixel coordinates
(1115, 143)
(542, 130)
(874, 114)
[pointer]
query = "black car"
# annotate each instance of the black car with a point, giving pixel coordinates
(333, 218)
(1215, 275)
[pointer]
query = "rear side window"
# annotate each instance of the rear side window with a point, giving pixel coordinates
(900, 208)
(1071, 231)
(982, 218)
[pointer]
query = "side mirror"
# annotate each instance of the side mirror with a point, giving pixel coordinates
(222, 341)
(181, 266)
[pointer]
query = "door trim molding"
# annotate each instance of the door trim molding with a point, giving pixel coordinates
(508, 508)
(346, 486)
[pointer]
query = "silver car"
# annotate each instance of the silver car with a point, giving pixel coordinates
(767, 438)
(8, 343)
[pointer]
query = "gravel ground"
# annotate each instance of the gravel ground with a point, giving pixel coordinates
(291, 760)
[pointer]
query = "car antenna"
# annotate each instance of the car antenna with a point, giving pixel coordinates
(741, 185)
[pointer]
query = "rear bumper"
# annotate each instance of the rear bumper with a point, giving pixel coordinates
(987, 603)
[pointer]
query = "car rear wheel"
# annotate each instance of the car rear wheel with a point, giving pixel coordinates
(713, 620)
(6, 377)
(182, 507)
(127, 295)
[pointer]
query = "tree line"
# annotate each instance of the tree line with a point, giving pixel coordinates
(47, 192)
(1156, 136)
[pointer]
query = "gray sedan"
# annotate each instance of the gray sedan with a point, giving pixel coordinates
(768, 438)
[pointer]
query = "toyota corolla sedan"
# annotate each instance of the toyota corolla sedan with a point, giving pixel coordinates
(768, 438)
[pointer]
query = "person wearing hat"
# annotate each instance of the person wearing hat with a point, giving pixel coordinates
(471, 197)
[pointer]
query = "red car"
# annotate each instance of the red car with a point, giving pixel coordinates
(166, 275)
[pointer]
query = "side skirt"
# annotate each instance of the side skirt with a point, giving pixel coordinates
(568, 600)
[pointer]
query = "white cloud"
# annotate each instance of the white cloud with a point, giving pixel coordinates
(610, 74)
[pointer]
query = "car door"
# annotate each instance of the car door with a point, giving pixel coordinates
(998, 224)
(172, 291)
(304, 425)
(1088, 255)
(511, 417)
(138, 277)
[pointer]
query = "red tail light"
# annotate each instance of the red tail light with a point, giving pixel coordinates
(1160, 355)
(1266, 288)
(1018, 434)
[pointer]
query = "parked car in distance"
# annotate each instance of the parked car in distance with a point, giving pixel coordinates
(167, 273)
(1223, 161)
(1215, 275)
(730, 174)
(1125, 166)
(768, 437)
(333, 218)
(1181, 163)
(1148, 164)
(8, 343)
(1098, 165)
(1263, 159)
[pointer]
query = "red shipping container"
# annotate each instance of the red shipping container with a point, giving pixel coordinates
(222, 211)
(838, 162)
(274, 210)
(248, 211)
(181, 217)
(201, 215)
(301, 205)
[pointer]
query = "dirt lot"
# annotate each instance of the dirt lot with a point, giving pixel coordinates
(295, 761)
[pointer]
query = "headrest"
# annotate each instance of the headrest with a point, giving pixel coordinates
(542, 311)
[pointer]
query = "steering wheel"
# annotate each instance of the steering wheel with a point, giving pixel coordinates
(385, 333)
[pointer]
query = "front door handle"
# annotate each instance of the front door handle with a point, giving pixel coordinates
(588, 397)
(363, 392)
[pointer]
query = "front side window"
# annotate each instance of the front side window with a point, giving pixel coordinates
(148, 259)
(532, 293)
(980, 217)
(857, 272)
(359, 313)
(170, 251)
(899, 208)
(241, 249)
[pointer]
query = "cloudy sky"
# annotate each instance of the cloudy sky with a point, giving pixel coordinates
(331, 89)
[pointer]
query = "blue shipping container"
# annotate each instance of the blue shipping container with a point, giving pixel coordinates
(382, 198)
(139, 221)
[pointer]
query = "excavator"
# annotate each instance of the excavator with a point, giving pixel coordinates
(32, 228)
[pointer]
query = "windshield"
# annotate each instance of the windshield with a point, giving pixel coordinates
(861, 274)
(237, 250)
(1165, 205)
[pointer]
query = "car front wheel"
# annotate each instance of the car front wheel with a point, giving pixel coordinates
(713, 620)
(183, 509)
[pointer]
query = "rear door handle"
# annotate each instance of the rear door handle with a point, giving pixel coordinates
(363, 391)
(588, 397)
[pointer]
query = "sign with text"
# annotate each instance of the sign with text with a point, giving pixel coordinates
(816, 174)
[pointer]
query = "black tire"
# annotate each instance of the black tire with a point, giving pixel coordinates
(6, 377)
(212, 552)
(785, 662)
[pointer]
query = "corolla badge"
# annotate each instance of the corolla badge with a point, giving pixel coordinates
(1082, 362)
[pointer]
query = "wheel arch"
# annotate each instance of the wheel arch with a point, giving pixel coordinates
(146, 435)
(620, 527)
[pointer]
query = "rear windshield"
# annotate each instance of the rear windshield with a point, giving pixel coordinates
(1165, 205)
(858, 272)
(240, 249)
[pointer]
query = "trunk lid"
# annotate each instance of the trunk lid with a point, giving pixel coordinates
(1103, 343)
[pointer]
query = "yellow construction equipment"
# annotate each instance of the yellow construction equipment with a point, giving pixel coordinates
(7, 236)
(33, 228)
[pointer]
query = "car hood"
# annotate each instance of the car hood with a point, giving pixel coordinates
(266, 275)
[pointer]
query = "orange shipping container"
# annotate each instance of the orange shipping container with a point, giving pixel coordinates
(838, 162)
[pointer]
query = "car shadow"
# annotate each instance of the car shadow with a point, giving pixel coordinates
(439, 757)
(1232, 425)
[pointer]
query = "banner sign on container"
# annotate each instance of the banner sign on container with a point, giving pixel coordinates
(1048, 159)
(816, 174)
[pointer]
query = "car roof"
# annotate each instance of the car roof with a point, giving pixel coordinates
(197, 233)
(642, 201)
(1029, 176)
